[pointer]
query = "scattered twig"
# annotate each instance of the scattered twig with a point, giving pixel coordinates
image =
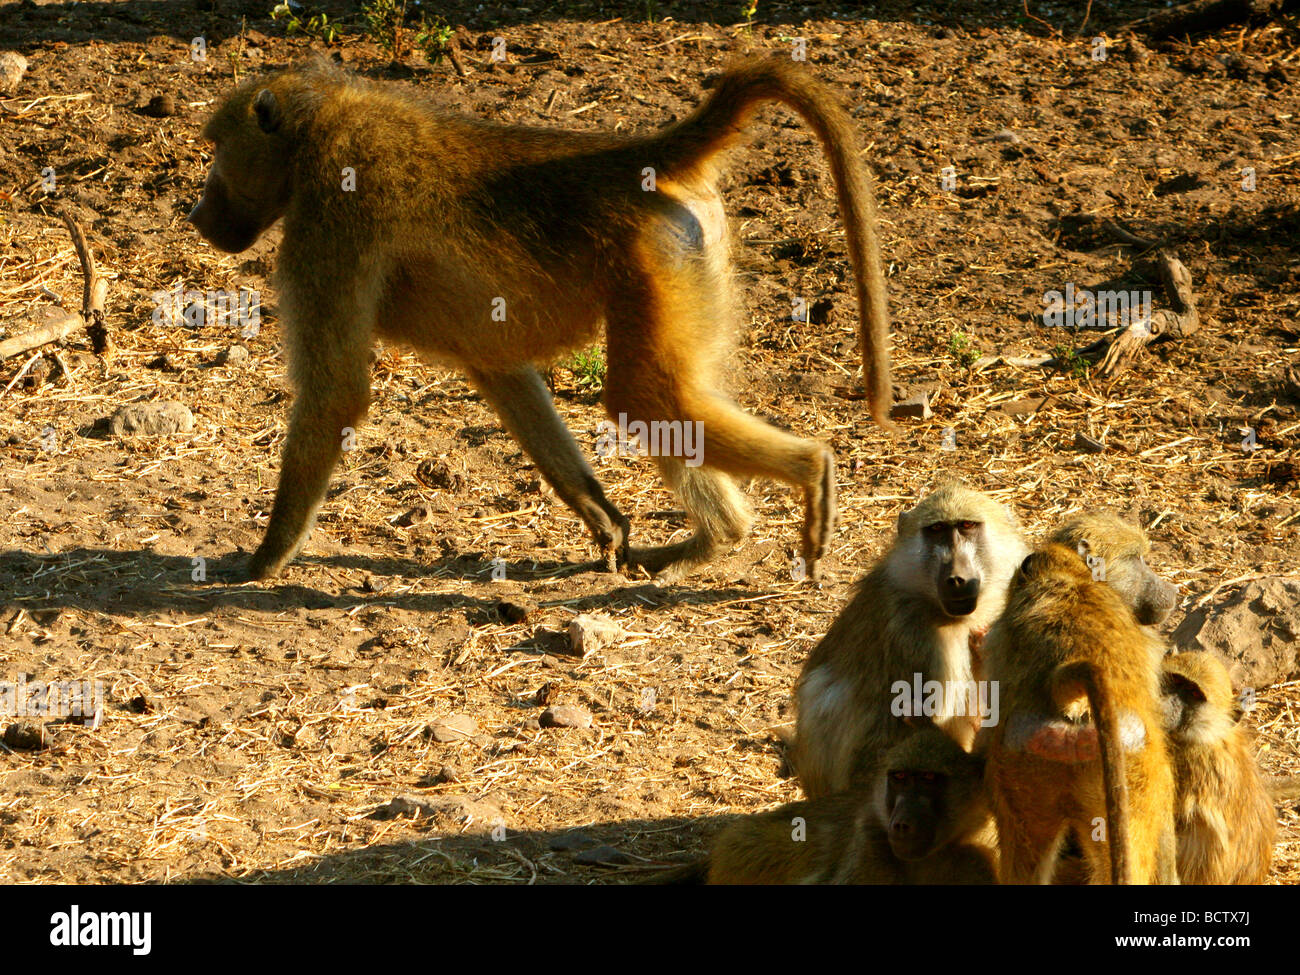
(91, 316)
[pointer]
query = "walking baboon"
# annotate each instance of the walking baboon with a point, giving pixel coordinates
(497, 248)
(1067, 643)
(1225, 819)
(917, 824)
(909, 628)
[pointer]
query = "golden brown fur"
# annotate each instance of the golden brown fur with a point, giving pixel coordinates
(497, 248)
(897, 627)
(1065, 644)
(1225, 819)
(916, 825)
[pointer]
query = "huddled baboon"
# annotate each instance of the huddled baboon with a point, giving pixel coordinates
(1116, 552)
(497, 248)
(1067, 644)
(908, 631)
(1225, 819)
(917, 824)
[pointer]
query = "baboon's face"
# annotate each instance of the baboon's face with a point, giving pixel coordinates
(956, 550)
(247, 188)
(1149, 597)
(914, 800)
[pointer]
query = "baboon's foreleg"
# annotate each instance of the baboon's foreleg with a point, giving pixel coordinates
(525, 406)
(330, 402)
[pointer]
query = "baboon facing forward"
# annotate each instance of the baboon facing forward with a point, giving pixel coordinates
(909, 628)
(918, 823)
(497, 248)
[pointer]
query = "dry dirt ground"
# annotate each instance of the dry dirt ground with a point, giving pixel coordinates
(251, 732)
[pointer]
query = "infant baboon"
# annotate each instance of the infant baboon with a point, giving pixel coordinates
(916, 825)
(1067, 643)
(909, 629)
(497, 248)
(1226, 822)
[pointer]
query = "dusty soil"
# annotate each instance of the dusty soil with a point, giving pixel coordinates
(252, 731)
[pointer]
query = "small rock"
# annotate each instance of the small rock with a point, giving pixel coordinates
(439, 474)
(160, 106)
(1007, 136)
(1135, 52)
(602, 856)
(565, 716)
(164, 363)
(372, 584)
(235, 353)
(29, 736)
(546, 695)
(915, 407)
(443, 810)
(551, 662)
(416, 516)
(151, 419)
(822, 312)
(1023, 407)
(1085, 444)
(455, 727)
(588, 633)
(574, 839)
(12, 68)
(514, 612)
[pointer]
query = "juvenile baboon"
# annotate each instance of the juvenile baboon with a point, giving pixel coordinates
(1225, 819)
(913, 620)
(1118, 552)
(497, 248)
(1067, 643)
(916, 825)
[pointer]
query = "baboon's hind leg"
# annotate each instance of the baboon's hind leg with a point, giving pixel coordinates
(661, 370)
(718, 510)
(525, 406)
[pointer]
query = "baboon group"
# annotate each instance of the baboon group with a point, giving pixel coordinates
(977, 713)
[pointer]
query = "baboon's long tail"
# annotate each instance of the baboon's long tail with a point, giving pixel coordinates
(718, 124)
(1101, 702)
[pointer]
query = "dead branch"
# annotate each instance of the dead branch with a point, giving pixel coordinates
(91, 316)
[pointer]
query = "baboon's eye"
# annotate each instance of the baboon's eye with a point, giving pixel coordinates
(936, 529)
(967, 526)
(928, 776)
(898, 776)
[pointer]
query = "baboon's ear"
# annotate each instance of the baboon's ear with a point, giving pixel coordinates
(267, 110)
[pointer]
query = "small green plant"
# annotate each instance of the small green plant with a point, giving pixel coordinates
(959, 348)
(1070, 361)
(386, 26)
(588, 368)
(434, 38)
(747, 10)
(315, 25)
